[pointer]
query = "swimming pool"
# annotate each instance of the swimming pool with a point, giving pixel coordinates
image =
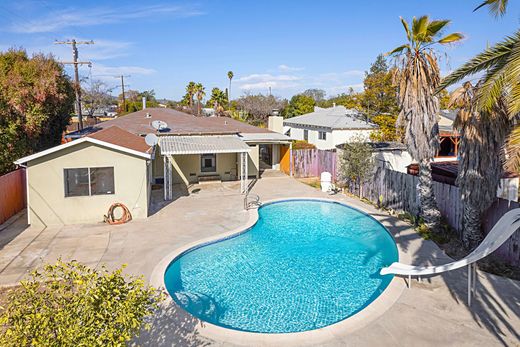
(304, 265)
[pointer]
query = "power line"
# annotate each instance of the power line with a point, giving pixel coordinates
(75, 62)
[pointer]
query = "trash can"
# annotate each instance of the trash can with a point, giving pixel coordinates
(326, 181)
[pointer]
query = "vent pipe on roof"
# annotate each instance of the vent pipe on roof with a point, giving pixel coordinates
(144, 102)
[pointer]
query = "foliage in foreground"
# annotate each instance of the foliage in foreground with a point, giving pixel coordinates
(69, 304)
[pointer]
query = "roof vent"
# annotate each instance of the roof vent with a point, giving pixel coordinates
(225, 122)
(148, 115)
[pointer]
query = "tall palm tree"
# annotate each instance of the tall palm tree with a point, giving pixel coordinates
(190, 91)
(230, 77)
(501, 67)
(480, 167)
(417, 76)
(199, 94)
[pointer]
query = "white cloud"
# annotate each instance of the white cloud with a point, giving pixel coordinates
(265, 81)
(72, 17)
(103, 70)
(100, 50)
(286, 68)
(332, 83)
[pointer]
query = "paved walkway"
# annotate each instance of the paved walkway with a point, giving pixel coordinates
(432, 313)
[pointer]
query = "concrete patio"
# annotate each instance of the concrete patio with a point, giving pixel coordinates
(431, 313)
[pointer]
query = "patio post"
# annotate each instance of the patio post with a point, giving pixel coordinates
(164, 179)
(246, 187)
(290, 160)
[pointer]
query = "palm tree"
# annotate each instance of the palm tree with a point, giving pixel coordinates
(230, 77)
(480, 166)
(501, 67)
(190, 91)
(200, 94)
(496, 7)
(417, 77)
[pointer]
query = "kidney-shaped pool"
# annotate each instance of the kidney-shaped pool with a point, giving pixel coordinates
(304, 265)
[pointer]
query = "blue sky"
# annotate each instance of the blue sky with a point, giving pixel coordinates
(287, 45)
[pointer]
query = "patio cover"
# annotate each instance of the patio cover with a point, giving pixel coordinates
(175, 145)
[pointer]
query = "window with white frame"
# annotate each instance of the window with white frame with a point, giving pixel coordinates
(322, 135)
(306, 135)
(89, 181)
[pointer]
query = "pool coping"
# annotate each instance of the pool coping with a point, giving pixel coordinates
(340, 329)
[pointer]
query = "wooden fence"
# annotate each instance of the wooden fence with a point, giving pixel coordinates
(312, 162)
(397, 191)
(12, 194)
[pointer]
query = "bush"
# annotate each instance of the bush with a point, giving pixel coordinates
(69, 304)
(302, 144)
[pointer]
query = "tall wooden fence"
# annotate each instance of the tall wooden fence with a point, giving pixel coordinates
(12, 194)
(397, 191)
(312, 162)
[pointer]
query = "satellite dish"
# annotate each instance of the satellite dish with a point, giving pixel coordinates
(159, 125)
(151, 140)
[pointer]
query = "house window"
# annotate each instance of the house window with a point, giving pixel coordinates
(208, 162)
(306, 135)
(89, 181)
(322, 135)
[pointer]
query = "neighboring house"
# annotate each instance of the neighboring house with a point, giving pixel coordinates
(77, 182)
(387, 155)
(328, 127)
(448, 136)
(447, 171)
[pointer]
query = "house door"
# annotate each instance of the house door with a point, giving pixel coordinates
(208, 162)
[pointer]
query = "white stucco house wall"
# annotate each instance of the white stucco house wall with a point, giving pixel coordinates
(328, 127)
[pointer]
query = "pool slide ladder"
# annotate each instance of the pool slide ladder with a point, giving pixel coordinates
(251, 200)
(503, 229)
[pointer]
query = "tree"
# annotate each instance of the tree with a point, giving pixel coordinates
(259, 106)
(501, 67)
(480, 167)
(69, 304)
(300, 104)
(444, 100)
(36, 99)
(317, 94)
(349, 100)
(418, 77)
(97, 97)
(357, 163)
(149, 95)
(200, 93)
(379, 100)
(191, 89)
(218, 100)
(230, 77)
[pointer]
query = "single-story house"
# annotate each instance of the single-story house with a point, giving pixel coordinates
(76, 182)
(328, 127)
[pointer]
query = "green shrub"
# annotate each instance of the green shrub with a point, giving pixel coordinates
(70, 304)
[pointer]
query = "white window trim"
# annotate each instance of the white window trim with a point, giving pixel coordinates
(89, 181)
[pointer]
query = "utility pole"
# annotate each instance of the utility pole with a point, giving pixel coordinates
(75, 62)
(123, 90)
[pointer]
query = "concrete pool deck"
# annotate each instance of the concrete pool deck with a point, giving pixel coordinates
(433, 312)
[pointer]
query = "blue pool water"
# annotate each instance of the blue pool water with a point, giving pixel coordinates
(304, 265)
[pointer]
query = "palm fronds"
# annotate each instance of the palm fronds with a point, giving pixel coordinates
(496, 7)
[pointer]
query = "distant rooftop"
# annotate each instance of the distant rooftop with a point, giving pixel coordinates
(338, 117)
(178, 123)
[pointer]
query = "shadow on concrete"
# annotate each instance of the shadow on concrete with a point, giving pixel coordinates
(172, 326)
(13, 227)
(496, 303)
(157, 202)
